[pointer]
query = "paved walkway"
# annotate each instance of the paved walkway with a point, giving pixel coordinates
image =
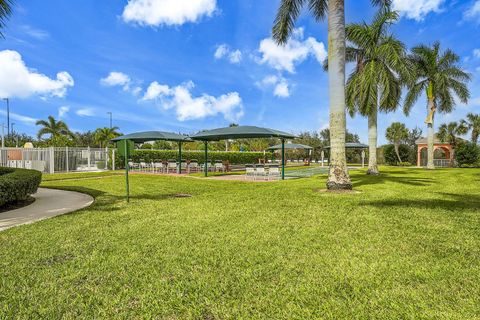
(48, 203)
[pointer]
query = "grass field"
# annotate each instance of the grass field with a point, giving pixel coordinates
(406, 246)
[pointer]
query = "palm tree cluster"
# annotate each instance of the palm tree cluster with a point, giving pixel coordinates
(56, 133)
(383, 68)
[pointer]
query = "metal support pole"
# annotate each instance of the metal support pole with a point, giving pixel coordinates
(88, 157)
(126, 171)
(66, 158)
(52, 159)
(206, 159)
(113, 159)
(180, 157)
(283, 159)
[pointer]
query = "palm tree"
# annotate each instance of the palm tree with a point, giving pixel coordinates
(395, 134)
(53, 128)
(104, 135)
(473, 123)
(5, 12)
(437, 74)
(284, 24)
(450, 132)
(374, 84)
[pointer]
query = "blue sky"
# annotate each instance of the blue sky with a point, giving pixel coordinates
(185, 65)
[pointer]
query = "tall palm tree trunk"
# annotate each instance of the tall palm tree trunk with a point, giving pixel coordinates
(430, 134)
(338, 177)
(397, 151)
(372, 143)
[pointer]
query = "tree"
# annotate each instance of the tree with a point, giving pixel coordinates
(449, 133)
(104, 135)
(436, 73)
(395, 134)
(374, 85)
(284, 24)
(473, 123)
(84, 139)
(5, 13)
(54, 128)
(467, 154)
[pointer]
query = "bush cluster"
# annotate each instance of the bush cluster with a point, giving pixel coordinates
(233, 157)
(18, 184)
(391, 157)
(467, 155)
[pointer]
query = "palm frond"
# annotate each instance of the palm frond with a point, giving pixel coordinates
(284, 23)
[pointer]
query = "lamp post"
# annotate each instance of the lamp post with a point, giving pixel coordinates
(3, 135)
(8, 115)
(109, 113)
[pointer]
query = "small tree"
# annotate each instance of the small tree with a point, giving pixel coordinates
(396, 133)
(449, 133)
(104, 135)
(467, 154)
(473, 123)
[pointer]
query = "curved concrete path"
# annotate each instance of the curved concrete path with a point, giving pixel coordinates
(48, 203)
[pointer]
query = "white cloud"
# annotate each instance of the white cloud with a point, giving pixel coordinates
(85, 112)
(279, 84)
(16, 80)
(35, 33)
(476, 53)
(167, 12)
(19, 117)
(473, 12)
(62, 111)
(295, 51)
(223, 51)
(115, 78)
(417, 9)
(187, 107)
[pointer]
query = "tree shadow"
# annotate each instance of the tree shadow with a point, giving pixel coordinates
(446, 201)
(385, 177)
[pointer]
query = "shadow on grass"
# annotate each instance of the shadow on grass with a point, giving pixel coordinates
(445, 201)
(385, 177)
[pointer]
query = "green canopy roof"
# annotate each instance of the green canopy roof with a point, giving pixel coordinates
(145, 136)
(290, 146)
(353, 145)
(239, 133)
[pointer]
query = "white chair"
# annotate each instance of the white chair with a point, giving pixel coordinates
(260, 172)
(157, 167)
(273, 173)
(193, 167)
(133, 166)
(219, 167)
(171, 166)
(250, 171)
(143, 166)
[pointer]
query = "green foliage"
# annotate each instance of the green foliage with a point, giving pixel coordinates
(391, 157)
(147, 146)
(103, 136)
(163, 155)
(18, 184)
(467, 154)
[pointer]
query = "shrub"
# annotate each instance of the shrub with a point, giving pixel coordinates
(18, 184)
(391, 157)
(233, 157)
(467, 154)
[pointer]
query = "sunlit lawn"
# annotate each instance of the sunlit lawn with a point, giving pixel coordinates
(406, 246)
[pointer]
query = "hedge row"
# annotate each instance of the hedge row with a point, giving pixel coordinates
(18, 184)
(163, 155)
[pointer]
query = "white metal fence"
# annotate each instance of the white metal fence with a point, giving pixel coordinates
(52, 160)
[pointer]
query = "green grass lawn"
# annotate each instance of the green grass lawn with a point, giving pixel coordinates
(407, 246)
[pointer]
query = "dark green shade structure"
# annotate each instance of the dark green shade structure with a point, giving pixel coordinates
(352, 145)
(290, 146)
(242, 132)
(140, 137)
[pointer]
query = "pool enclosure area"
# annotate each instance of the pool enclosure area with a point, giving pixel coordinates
(53, 160)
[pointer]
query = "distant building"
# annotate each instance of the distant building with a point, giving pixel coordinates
(442, 154)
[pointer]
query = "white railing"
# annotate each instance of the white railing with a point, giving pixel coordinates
(441, 163)
(52, 160)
